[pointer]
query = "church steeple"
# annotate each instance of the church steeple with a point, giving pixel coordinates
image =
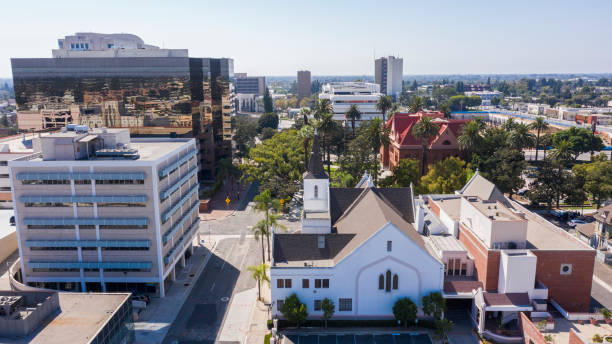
(315, 165)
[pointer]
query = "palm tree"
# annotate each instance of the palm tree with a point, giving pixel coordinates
(510, 124)
(425, 129)
(265, 203)
(322, 106)
(305, 113)
(225, 168)
(563, 152)
(539, 124)
(273, 223)
(353, 114)
(259, 274)
(546, 141)
(416, 105)
(260, 230)
(384, 104)
(306, 132)
(445, 109)
(326, 125)
(470, 137)
(521, 138)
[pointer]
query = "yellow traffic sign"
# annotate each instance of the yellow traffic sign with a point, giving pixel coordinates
(227, 201)
(282, 201)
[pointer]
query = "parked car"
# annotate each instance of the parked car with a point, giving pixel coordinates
(575, 222)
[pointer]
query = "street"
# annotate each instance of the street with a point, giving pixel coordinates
(202, 315)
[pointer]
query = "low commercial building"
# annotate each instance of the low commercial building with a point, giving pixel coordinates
(486, 96)
(404, 145)
(342, 95)
(42, 317)
(98, 211)
(507, 259)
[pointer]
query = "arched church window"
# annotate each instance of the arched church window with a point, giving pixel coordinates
(381, 282)
(388, 281)
(316, 191)
(395, 282)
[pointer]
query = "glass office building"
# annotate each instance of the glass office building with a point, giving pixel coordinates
(153, 96)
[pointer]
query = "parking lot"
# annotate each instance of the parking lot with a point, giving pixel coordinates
(358, 339)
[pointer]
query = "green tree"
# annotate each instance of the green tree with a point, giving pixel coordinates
(539, 125)
(550, 184)
(322, 106)
(495, 101)
(326, 126)
(306, 133)
(294, 310)
(470, 137)
(260, 230)
(245, 130)
(277, 164)
(267, 101)
(521, 138)
(259, 273)
(383, 105)
(225, 169)
(446, 176)
(416, 105)
(266, 204)
(4, 121)
(405, 311)
(267, 120)
(505, 169)
(434, 305)
(353, 114)
(328, 308)
(424, 130)
(445, 109)
(406, 172)
(267, 133)
(581, 140)
(358, 158)
(563, 152)
(597, 179)
(443, 327)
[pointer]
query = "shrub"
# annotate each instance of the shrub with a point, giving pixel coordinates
(405, 311)
(597, 338)
(270, 324)
(294, 310)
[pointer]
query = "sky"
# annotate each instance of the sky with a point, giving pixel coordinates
(276, 38)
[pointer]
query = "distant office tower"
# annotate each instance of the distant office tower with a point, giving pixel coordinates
(388, 73)
(116, 80)
(250, 84)
(303, 84)
(98, 211)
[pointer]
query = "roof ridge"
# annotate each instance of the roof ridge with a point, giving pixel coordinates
(353, 204)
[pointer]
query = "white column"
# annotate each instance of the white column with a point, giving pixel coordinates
(183, 260)
(173, 274)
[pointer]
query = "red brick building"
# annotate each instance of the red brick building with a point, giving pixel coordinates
(405, 145)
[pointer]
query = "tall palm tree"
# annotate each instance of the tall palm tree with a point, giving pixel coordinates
(305, 113)
(322, 106)
(416, 105)
(521, 137)
(546, 141)
(510, 124)
(470, 137)
(259, 273)
(539, 124)
(563, 152)
(260, 230)
(273, 223)
(326, 125)
(425, 129)
(266, 204)
(306, 132)
(353, 114)
(384, 104)
(225, 168)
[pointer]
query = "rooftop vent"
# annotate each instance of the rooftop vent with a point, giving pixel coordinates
(321, 241)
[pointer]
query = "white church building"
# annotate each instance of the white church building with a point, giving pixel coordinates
(357, 247)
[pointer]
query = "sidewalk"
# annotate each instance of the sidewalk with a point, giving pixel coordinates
(154, 322)
(218, 208)
(603, 275)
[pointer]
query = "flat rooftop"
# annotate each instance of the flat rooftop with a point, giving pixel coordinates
(18, 143)
(82, 316)
(451, 206)
(494, 210)
(447, 243)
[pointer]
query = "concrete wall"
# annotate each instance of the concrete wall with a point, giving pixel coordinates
(8, 244)
(321, 202)
(356, 277)
(486, 262)
(48, 304)
(513, 264)
(531, 334)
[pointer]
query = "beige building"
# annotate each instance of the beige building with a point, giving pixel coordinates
(96, 211)
(304, 84)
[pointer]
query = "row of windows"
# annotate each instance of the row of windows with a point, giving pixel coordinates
(344, 305)
(88, 270)
(82, 182)
(318, 283)
(176, 169)
(455, 268)
(83, 204)
(89, 248)
(387, 283)
(79, 45)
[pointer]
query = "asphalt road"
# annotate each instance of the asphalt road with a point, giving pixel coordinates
(600, 296)
(202, 315)
(242, 221)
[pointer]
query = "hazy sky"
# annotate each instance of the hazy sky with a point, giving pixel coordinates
(335, 37)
